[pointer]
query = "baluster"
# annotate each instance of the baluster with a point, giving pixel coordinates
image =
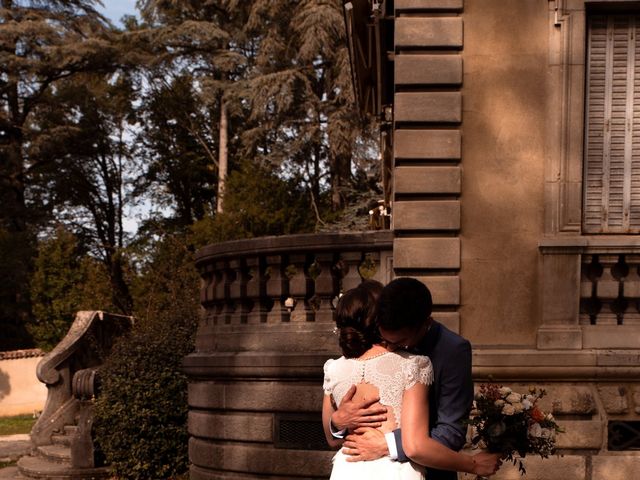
(588, 299)
(276, 290)
(631, 288)
(256, 291)
(607, 289)
(226, 303)
(620, 305)
(217, 293)
(300, 288)
(325, 287)
(207, 290)
(238, 291)
(351, 276)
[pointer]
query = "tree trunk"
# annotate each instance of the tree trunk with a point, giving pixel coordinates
(223, 154)
(340, 175)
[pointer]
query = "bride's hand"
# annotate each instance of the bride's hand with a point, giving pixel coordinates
(486, 464)
(352, 414)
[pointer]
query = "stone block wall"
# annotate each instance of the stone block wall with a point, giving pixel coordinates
(427, 148)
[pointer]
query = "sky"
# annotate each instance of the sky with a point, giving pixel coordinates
(116, 9)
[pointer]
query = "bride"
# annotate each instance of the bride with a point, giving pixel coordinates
(401, 381)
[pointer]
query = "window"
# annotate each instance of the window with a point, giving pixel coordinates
(612, 134)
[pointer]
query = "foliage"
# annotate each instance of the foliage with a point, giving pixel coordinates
(141, 413)
(511, 423)
(43, 42)
(258, 203)
(15, 260)
(64, 281)
(178, 145)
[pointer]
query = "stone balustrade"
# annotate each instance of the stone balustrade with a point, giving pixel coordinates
(265, 332)
(610, 289)
(261, 285)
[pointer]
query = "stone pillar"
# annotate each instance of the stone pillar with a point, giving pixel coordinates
(560, 302)
(427, 146)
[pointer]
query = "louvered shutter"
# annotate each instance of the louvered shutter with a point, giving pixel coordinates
(612, 137)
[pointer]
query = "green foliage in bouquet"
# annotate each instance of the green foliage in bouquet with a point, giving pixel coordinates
(511, 423)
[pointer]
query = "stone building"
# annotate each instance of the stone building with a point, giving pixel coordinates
(511, 133)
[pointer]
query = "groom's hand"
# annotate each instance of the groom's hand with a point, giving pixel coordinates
(365, 444)
(352, 414)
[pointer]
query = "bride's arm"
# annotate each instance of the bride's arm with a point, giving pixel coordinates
(327, 411)
(417, 443)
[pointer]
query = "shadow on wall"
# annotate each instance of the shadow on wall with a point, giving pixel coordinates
(5, 386)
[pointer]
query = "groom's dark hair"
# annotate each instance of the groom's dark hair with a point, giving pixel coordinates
(404, 302)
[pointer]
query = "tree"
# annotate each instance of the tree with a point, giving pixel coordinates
(65, 280)
(87, 175)
(42, 42)
(177, 145)
(199, 40)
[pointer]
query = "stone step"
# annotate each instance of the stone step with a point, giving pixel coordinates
(11, 473)
(41, 469)
(54, 453)
(64, 440)
(70, 429)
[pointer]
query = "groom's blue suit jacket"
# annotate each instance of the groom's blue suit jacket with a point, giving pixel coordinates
(450, 395)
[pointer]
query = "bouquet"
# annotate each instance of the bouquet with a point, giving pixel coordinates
(511, 423)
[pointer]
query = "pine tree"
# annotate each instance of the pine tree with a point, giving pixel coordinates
(41, 42)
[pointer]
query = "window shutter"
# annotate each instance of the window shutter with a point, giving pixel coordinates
(612, 139)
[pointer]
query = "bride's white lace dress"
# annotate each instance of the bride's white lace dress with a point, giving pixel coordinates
(390, 374)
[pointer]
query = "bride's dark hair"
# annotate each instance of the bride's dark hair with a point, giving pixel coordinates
(355, 319)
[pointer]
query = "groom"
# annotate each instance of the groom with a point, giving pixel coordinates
(404, 320)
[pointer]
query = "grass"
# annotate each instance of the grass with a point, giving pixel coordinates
(17, 424)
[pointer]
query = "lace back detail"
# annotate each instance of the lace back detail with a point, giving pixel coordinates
(392, 374)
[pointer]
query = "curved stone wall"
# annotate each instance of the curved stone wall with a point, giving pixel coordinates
(255, 376)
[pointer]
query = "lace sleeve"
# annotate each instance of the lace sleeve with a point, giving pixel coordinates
(418, 369)
(328, 383)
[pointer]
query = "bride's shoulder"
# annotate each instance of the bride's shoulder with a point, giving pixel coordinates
(421, 361)
(333, 362)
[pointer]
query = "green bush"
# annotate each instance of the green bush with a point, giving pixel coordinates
(141, 411)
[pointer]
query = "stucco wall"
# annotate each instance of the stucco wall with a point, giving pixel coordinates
(504, 91)
(20, 390)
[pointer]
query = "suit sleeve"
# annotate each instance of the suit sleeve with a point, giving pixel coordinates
(454, 403)
(456, 398)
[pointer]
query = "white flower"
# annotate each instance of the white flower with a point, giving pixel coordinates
(514, 398)
(504, 391)
(499, 403)
(526, 404)
(508, 410)
(518, 407)
(535, 430)
(546, 433)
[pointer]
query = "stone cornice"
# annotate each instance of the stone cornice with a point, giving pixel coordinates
(571, 244)
(513, 364)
